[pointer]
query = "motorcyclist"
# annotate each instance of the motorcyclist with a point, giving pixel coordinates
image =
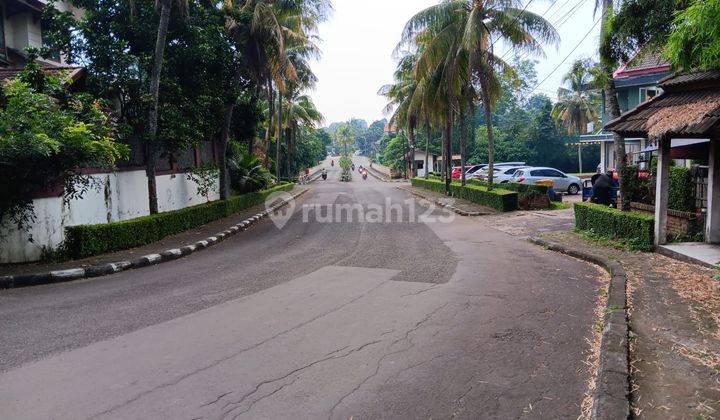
(324, 174)
(332, 162)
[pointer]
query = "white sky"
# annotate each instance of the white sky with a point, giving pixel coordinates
(359, 38)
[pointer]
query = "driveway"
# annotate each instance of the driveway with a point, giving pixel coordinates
(402, 319)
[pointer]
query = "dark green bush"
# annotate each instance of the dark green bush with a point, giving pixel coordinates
(633, 228)
(498, 198)
(88, 240)
(681, 190)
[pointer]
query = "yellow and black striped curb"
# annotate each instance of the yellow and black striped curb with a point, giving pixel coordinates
(60, 276)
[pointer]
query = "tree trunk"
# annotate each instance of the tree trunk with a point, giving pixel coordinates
(278, 140)
(152, 147)
(490, 134)
(463, 135)
(447, 138)
(612, 107)
(271, 112)
(411, 158)
(613, 110)
(225, 138)
(427, 147)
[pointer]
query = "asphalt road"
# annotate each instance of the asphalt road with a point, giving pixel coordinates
(320, 319)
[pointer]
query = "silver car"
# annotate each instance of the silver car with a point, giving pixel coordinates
(563, 182)
(500, 173)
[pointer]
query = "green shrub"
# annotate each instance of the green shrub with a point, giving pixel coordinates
(88, 240)
(498, 198)
(681, 190)
(632, 228)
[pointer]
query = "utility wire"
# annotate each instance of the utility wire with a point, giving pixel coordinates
(566, 57)
(557, 25)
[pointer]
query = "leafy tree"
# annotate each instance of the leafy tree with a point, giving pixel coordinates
(693, 43)
(165, 7)
(345, 137)
(46, 135)
(627, 33)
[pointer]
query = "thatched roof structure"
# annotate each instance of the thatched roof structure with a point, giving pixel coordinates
(689, 107)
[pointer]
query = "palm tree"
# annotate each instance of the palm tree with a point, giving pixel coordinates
(165, 7)
(266, 55)
(301, 113)
(612, 106)
(576, 106)
(470, 29)
(278, 27)
(401, 96)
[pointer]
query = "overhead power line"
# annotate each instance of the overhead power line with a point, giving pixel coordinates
(567, 56)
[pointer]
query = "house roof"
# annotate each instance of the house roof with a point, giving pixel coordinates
(688, 107)
(644, 62)
(19, 60)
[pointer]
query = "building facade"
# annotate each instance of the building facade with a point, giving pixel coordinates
(636, 82)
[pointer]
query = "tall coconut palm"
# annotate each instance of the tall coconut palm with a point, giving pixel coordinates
(400, 97)
(165, 8)
(576, 106)
(473, 27)
(300, 114)
(612, 106)
(266, 54)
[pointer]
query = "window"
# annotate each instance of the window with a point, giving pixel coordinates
(420, 164)
(647, 93)
(3, 51)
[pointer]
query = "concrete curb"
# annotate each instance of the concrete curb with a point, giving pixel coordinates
(450, 207)
(36, 279)
(611, 399)
(380, 176)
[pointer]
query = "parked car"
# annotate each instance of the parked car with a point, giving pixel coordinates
(504, 173)
(472, 169)
(469, 170)
(563, 182)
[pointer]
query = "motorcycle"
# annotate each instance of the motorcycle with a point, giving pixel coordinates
(324, 176)
(332, 163)
(364, 175)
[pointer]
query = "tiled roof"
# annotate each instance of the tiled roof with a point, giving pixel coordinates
(11, 72)
(688, 107)
(644, 62)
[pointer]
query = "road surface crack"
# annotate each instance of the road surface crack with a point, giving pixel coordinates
(294, 371)
(385, 356)
(238, 353)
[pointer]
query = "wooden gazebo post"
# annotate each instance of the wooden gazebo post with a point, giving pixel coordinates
(712, 222)
(661, 190)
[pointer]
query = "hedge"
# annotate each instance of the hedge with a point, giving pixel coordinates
(681, 190)
(633, 228)
(87, 240)
(498, 198)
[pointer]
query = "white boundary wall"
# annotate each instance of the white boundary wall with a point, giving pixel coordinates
(116, 196)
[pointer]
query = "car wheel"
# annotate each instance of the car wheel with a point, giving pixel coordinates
(573, 189)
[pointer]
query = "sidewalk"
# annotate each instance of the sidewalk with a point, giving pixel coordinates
(175, 241)
(674, 310)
